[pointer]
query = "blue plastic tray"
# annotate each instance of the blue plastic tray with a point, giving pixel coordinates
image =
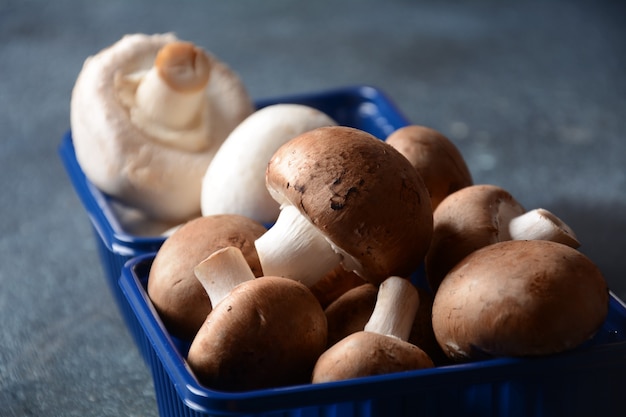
(363, 107)
(588, 381)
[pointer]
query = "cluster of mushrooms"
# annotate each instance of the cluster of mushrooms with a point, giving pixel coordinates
(291, 240)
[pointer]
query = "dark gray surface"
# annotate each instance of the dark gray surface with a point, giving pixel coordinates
(533, 94)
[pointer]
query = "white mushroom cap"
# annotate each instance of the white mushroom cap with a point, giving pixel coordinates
(157, 169)
(235, 180)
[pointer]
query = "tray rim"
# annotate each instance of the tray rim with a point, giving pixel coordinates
(199, 397)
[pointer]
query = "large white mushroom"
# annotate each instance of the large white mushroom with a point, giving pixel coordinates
(148, 114)
(234, 182)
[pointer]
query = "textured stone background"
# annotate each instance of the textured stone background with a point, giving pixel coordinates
(533, 93)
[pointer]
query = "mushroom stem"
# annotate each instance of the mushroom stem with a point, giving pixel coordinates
(222, 271)
(171, 95)
(294, 248)
(387, 318)
(541, 224)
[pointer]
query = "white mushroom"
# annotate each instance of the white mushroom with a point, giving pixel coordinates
(234, 182)
(147, 115)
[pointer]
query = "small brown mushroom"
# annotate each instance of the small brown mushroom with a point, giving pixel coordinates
(422, 333)
(519, 298)
(262, 333)
(347, 198)
(435, 157)
(177, 295)
(147, 115)
(381, 348)
(352, 310)
(479, 215)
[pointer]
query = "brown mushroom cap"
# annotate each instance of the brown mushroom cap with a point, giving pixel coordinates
(381, 346)
(422, 334)
(435, 157)
(268, 332)
(350, 312)
(366, 354)
(361, 193)
(125, 161)
(519, 298)
(336, 283)
(177, 295)
(465, 221)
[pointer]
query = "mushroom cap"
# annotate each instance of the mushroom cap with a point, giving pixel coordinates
(519, 298)
(465, 221)
(177, 295)
(123, 161)
(435, 157)
(268, 332)
(334, 284)
(234, 182)
(361, 193)
(422, 334)
(350, 312)
(364, 354)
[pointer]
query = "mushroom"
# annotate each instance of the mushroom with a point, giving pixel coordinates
(350, 312)
(435, 157)
(422, 333)
(147, 115)
(262, 333)
(235, 180)
(519, 298)
(479, 215)
(347, 198)
(381, 348)
(177, 295)
(334, 284)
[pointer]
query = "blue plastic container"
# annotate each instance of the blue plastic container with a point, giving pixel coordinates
(588, 381)
(363, 107)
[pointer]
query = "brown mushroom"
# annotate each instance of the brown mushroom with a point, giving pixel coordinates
(435, 157)
(422, 333)
(175, 292)
(479, 215)
(347, 198)
(519, 298)
(334, 284)
(381, 348)
(147, 115)
(262, 333)
(352, 310)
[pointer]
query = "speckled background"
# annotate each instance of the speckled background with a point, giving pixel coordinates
(533, 94)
